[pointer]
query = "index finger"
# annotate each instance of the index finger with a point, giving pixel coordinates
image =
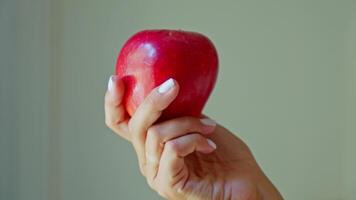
(147, 113)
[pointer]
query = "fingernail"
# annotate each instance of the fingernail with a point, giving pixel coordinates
(208, 122)
(111, 84)
(166, 86)
(211, 143)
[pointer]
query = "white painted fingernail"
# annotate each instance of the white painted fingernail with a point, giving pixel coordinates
(112, 80)
(111, 83)
(208, 122)
(211, 143)
(167, 85)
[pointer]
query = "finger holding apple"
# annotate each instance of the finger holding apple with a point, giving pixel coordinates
(115, 113)
(147, 114)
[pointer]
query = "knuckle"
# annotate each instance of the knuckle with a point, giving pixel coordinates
(162, 192)
(153, 134)
(163, 188)
(132, 127)
(109, 122)
(151, 101)
(198, 138)
(172, 146)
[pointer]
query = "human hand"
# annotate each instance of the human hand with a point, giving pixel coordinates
(187, 157)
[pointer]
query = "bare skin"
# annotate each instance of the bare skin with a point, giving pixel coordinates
(187, 157)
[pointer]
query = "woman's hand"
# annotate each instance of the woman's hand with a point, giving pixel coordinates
(187, 157)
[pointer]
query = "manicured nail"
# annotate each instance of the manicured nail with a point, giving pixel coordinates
(208, 122)
(111, 84)
(211, 143)
(166, 86)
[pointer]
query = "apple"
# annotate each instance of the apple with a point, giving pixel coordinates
(150, 57)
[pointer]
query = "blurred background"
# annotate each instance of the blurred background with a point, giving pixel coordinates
(286, 86)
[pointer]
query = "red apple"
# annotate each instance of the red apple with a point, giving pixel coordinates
(150, 57)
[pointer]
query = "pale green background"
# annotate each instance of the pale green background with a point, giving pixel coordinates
(286, 86)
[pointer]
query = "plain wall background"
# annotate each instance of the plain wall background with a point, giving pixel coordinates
(286, 86)
(350, 174)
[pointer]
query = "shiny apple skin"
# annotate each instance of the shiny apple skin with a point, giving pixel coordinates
(150, 57)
